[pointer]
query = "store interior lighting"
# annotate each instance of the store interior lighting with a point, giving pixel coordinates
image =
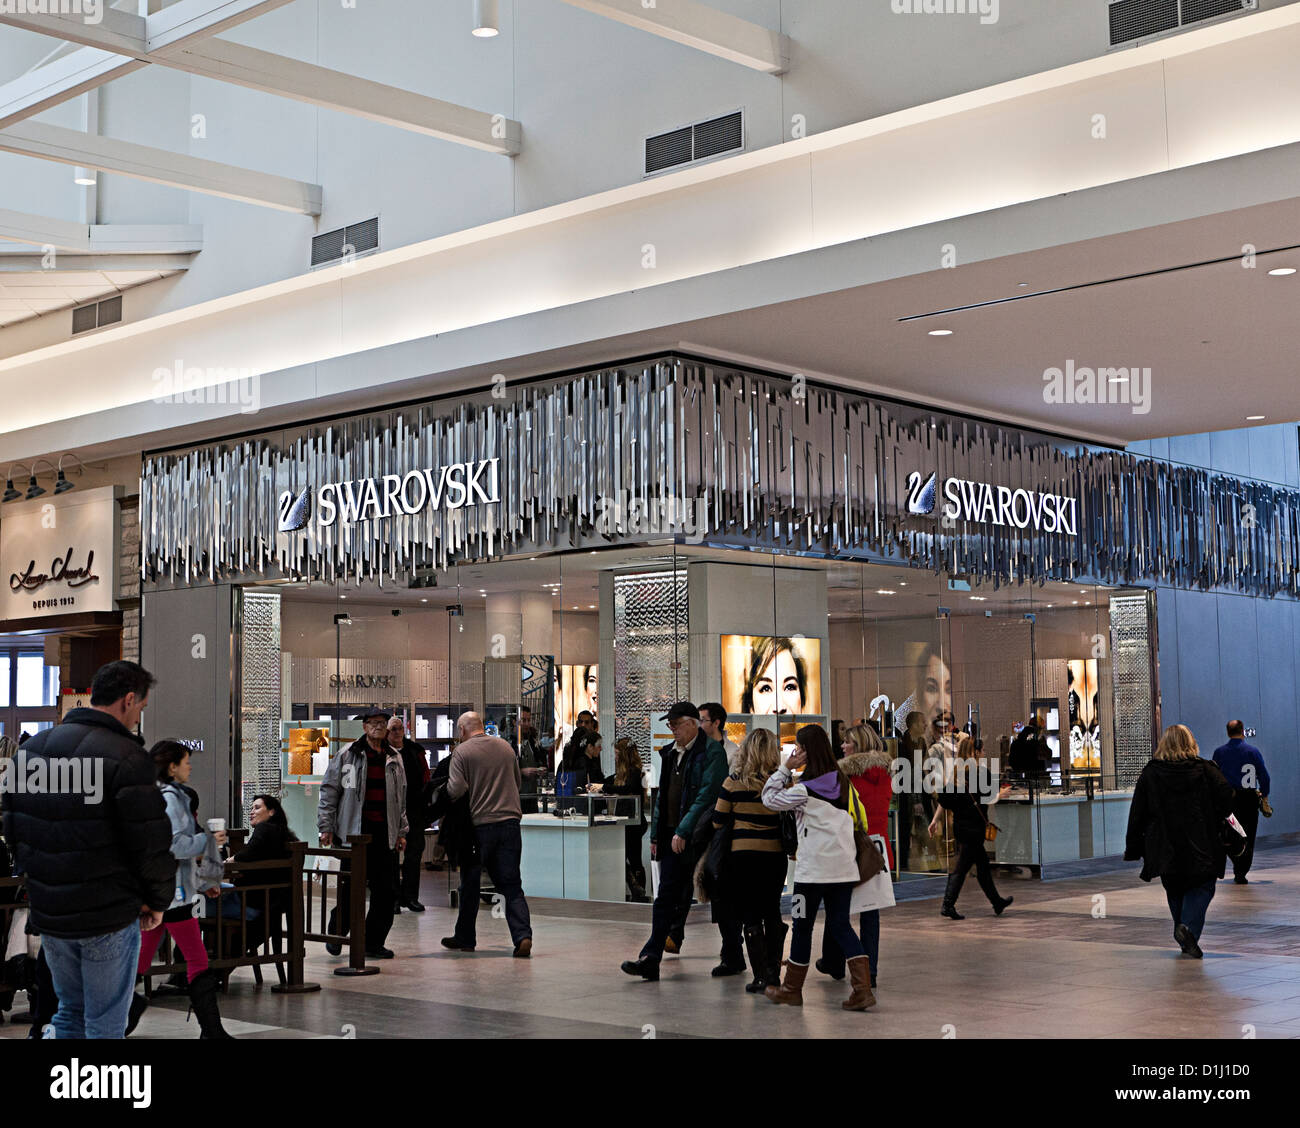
(487, 22)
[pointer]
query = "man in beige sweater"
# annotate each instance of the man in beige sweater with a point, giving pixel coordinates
(484, 769)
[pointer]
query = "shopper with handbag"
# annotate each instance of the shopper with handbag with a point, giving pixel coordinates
(1176, 828)
(756, 862)
(190, 845)
(1243, 767)
(866, 764)
(826, 869)
(970, 828)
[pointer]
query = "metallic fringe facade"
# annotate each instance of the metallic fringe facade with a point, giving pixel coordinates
(585, 458)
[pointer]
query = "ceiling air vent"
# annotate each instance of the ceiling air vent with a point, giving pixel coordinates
(354, 241)
(1131, 20)
(96, 316)
(694, 143)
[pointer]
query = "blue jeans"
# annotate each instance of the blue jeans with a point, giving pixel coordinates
(836, 897)
(1188, 904)
(500, 846)
(94, 979)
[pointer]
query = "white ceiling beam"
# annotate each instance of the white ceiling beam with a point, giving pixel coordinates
(75, 262)
(68, 77)
(699, 26)
(187, 21)
(123, 33)
(332, 90)
(43, 231)
(177, 170)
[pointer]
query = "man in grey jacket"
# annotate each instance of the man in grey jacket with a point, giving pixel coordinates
(364, 792)
(485, 768)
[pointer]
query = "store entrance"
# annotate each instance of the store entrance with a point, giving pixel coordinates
(29, 689)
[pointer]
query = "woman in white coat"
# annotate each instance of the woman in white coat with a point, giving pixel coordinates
(825, 868)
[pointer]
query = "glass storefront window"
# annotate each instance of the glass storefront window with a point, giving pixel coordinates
(37, 683)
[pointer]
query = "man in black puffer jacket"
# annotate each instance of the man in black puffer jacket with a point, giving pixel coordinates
(89, 828)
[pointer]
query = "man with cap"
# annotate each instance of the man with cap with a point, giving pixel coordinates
(364, 792)
(689, 781)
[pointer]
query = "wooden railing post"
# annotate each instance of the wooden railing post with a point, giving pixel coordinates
(356, 964)
(297, 943)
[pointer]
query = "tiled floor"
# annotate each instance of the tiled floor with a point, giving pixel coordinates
(1086, 957)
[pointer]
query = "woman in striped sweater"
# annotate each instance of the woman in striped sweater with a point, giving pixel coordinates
(756, 866)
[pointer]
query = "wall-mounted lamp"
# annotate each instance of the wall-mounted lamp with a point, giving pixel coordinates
(61, 484)
(12, 494)
(487, 21)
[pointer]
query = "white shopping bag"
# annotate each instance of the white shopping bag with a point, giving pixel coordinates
(878, 893)
(1232, 822)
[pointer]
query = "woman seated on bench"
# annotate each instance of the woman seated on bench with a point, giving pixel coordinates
(269, 841)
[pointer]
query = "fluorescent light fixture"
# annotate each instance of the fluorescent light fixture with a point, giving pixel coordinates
(940, 332)
(487, 22)
(885, 591)
(1254, 418)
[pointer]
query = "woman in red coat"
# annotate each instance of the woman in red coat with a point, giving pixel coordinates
(867, 765)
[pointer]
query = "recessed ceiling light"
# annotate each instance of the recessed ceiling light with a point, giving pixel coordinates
(1254, 418)
(424, 601)
(343, 597)
(1118, 380)
(979, 598)
(903, 584)
(1075, 602)
(885, 591)
(940, 332)
(1282, 271)
(1049, 605)
(591, 606)
(1022, 285)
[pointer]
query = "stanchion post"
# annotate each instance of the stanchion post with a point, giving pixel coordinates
(297, 926)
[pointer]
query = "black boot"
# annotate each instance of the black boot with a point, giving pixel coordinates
(203, 998)
(756, 946)
(139, 1004)
(774, 933)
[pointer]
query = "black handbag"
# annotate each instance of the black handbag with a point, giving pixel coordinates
(789, 834)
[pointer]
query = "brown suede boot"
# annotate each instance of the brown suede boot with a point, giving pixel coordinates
(860, 978)
(791, 991)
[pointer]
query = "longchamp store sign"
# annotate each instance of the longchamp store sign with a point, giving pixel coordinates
(58, 556)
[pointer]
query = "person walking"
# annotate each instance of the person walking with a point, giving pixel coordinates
(756, 864)
(364, 792)
(690, 779)
(1174, 822)
(97, 857)
(485, 769)
(190, 843)
(1242, 766)
(866, 764)
(629, 780)
(825, 868)
(415, 765)
(731, 957)
(960, 798)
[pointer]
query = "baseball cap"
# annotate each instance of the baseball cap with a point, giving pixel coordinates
(681, 709)
(373, 713)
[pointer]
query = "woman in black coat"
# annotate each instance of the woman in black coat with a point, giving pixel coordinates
(1174, 827)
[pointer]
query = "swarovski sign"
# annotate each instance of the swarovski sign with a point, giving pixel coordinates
(370, 499)
(986, 504)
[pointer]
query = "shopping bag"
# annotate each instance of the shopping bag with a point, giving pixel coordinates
(878, 893)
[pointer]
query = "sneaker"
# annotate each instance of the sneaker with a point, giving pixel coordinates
(456, 945)
(645, 967)
(379, 954)
(524, 949)
(414, 906)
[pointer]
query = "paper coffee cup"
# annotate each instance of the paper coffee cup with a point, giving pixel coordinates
(216, 826)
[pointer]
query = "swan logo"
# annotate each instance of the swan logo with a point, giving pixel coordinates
(921, 494)
(295, 512)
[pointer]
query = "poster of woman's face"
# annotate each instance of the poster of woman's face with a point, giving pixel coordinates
(576, 689)
(771, 676)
